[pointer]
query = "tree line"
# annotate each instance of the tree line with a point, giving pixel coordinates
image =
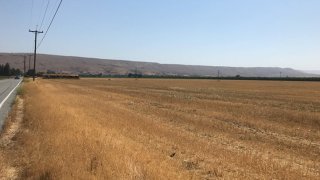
(6, 70)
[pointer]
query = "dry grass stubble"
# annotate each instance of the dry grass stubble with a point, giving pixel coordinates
(170, 129)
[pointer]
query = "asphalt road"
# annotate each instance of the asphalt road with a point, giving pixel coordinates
(7, 96)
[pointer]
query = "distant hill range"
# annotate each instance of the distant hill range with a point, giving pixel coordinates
(312, 71)
(81, 65)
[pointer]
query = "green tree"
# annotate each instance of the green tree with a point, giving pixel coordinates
(6, 70)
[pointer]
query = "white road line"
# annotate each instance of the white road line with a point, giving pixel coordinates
(5, 99)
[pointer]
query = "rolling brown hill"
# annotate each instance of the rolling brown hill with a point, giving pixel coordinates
(121, 67)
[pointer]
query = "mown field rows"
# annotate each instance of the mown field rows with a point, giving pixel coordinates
(170, 129)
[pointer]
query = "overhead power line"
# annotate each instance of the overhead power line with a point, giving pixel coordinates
(45, 34)
(31, 14)
(40, 12)
(45, 13)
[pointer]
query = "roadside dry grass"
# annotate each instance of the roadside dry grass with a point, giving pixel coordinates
(169, 129)
(8, 153)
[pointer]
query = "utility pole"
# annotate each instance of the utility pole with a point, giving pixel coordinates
(36, 32)
(24, 65)
(29, 62)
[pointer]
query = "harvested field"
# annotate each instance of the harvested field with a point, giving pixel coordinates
(170, 129)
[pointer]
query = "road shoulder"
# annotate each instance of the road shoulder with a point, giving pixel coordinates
(6, 103)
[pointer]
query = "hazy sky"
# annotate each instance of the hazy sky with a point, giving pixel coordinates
(283, 33)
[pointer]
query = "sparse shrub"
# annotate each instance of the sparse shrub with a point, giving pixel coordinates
(20, 91)
(26, 80)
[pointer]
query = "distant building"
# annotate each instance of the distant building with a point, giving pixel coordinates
(60, 76)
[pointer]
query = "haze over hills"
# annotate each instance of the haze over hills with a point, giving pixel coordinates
(312, 71)
(122, 67)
